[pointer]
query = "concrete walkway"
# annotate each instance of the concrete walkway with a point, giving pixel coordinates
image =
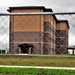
(65, 68)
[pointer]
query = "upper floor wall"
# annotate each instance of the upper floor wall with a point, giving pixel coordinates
(34, 22)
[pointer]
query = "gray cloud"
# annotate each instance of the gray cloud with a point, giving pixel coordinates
(56, 5)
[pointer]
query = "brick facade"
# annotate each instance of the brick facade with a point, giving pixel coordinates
(39, 30)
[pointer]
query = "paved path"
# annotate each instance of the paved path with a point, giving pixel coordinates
(65, 68)
(63, 56)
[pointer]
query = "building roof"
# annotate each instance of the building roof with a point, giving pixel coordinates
(30, 7)
(26, 7)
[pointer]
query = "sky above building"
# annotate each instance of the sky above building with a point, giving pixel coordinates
(56, 5)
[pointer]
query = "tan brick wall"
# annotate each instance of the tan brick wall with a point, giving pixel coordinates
(61, 47)
(32, 24)
(62, 26)
(27, 23)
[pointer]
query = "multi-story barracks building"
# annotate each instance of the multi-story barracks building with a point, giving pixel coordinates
(37, 34)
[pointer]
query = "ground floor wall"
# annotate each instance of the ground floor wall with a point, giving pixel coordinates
(17, 49)
(42, 42)
(61, 49)
(39, 40)
(61, 41)
(38, 48)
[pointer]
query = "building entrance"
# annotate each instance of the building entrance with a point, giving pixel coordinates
(25, 48)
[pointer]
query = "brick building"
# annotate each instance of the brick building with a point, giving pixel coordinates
(40, 34)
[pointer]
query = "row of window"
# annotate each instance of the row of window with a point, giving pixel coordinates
(48, 38)
(49, 27)
(61, 33)
(61, 41)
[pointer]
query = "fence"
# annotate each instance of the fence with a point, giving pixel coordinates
(37, 33)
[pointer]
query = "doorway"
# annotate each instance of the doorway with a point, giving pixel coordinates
(26, 48)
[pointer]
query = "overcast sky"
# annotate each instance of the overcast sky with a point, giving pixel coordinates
(56, 5)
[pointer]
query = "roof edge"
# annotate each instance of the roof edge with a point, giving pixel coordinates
(26, 7)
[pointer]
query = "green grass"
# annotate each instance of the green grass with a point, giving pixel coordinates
(34, 71)
(38, 60)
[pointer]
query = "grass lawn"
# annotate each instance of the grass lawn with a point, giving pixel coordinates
(38, 60)
(34, 71)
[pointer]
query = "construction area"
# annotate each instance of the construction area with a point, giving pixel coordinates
(36, 30)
